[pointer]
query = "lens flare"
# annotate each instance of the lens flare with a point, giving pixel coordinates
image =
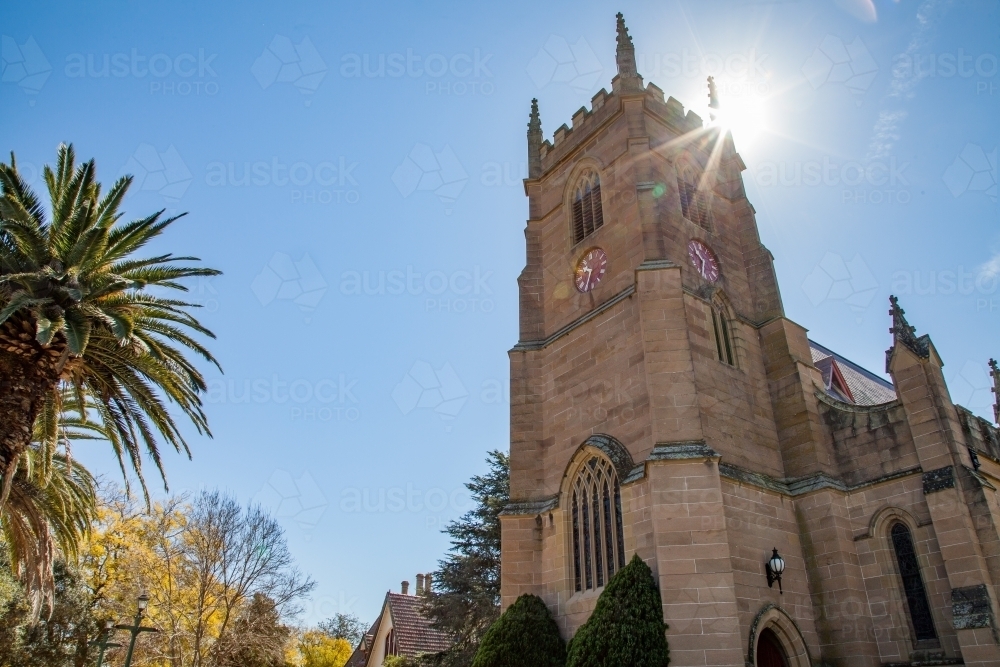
(744, 117)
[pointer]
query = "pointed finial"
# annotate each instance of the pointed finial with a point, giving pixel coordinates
(713, 97)
(534, 120)
(900, 328)
(534, 141)
(903, 333)
(995, 372)
(625, 57)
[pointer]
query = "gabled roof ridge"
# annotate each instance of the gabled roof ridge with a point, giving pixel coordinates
(415, 633)
(837, 382)
(853, 366)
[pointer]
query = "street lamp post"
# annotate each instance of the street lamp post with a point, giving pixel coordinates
(103, 641)
(136, 627)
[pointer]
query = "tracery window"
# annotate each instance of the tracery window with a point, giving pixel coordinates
(913, 584)
(694, 202)
(598, 535)
(588, 213)
(723, 336)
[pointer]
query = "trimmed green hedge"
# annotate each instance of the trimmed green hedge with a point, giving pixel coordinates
(626, 628)
(524, 636)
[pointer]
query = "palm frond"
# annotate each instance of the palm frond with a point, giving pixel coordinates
(51, 506)
(98, 308)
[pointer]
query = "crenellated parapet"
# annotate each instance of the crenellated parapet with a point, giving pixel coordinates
(980, 435)
(603, 107)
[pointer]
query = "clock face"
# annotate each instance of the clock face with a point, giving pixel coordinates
(590, 269)
(703, 260)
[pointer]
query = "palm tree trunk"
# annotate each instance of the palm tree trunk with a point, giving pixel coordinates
(28, 373)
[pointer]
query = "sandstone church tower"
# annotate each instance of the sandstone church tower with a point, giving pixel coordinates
(663, 405)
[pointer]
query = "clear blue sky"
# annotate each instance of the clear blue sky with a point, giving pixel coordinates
(354, 169)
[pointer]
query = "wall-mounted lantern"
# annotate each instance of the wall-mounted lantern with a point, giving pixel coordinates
(775, 566)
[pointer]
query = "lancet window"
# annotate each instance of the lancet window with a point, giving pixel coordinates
(722, 328)
(913, 583)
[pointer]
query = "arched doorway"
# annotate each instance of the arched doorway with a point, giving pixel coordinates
(769, 650)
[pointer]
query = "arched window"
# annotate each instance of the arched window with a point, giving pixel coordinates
(694, 201)
(588, 214)
(913, 584)
(722, 329)
(598, 535)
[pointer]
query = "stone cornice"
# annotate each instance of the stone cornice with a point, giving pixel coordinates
(832, 402)
(531, 507)
(529, 345)
(798, 486)
(697, 449)
(672, 451)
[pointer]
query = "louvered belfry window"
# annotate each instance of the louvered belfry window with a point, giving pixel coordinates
(913, 584)
(694, 203)
(598, 536)
(588, 214)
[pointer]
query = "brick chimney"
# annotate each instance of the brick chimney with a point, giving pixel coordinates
(427, 584)
(405, 586)
(420, 584)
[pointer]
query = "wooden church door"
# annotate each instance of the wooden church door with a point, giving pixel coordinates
(769, 651)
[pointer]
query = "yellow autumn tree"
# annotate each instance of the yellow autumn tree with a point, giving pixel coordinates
(202, 561)
(319, 649)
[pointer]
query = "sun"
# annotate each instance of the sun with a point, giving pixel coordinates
(745, 116)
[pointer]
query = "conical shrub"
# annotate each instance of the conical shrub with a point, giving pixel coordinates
(524, 636)
(626, 628)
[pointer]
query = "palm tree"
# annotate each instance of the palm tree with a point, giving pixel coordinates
(79, 311)
(51, 505)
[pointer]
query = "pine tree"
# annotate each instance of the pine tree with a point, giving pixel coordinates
(466, 596)
(626, 628)
(524, 636)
